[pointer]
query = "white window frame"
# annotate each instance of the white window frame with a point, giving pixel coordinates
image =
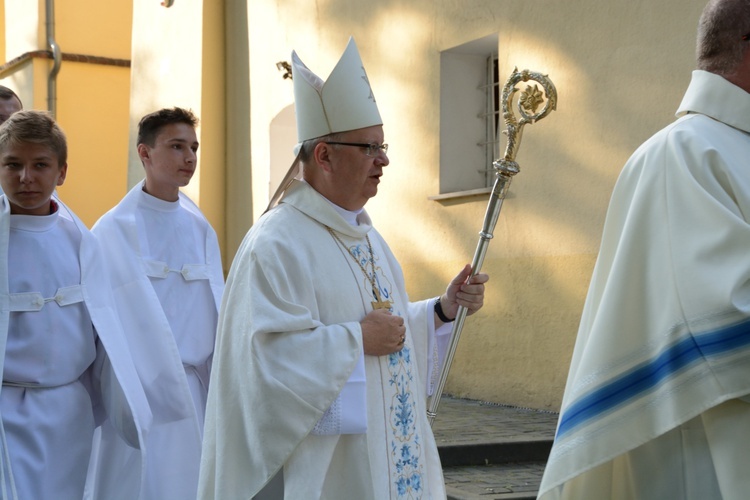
(470, 118)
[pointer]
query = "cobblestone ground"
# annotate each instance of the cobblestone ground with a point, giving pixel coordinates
(467, 421)
(461, 421)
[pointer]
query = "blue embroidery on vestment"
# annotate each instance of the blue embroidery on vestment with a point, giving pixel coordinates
(405, 446)
(360, 253)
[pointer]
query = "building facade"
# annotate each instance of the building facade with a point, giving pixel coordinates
(620, 69)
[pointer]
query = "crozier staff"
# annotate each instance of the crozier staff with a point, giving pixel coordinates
(322, 362)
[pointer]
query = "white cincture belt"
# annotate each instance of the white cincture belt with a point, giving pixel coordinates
(35, 301)
(190, 272)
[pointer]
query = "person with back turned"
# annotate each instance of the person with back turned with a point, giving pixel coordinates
(657, 403)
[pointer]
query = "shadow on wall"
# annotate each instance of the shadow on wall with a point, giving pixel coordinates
(620, 70)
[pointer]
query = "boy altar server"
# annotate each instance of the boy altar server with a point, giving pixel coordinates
(168, 280)
(66, 365)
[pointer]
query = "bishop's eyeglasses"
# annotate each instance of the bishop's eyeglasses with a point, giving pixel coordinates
(370, 149)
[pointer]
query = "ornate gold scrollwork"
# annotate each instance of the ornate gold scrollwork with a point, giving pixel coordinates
(527, 104)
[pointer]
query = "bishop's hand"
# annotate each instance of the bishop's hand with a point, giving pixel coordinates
(382, 333)
(462, 291)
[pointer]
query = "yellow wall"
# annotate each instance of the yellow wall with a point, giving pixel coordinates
(93, 103)
(620, 70)
(95, 28)
(92, 99)
(212, 176)
(93, 110)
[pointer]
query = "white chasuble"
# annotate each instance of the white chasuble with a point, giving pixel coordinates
(288, 342)
(656, 402)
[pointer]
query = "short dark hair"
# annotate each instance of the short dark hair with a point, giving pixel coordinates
(152, 123)
(6, 93)
(37, 127)
(720, 44)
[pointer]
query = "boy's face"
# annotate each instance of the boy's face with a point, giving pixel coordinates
(171, 162)
(29, 174)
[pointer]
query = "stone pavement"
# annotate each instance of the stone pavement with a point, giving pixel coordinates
(491, 451)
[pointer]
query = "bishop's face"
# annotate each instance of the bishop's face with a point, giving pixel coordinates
(29, 174)
(354, 176)
(170, 163)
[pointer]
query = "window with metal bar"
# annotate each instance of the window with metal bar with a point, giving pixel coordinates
(470, 117)
(491, 115)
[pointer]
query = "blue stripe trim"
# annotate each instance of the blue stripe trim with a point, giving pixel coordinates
(644, 378)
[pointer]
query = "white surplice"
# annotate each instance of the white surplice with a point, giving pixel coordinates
(655, 403)
(66, 364)
(288, 341)
(168, 280)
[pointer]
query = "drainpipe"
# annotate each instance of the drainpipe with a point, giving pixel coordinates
(56, 58)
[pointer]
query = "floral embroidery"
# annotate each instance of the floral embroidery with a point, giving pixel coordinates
(407, 469)
(406, 448)
(384, 286)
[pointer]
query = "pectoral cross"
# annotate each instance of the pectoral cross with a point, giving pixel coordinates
(379, 303)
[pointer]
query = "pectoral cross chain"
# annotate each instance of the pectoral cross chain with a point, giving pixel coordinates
(378, 303)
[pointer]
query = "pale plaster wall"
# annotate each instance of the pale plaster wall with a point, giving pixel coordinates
(22, 37)
(620, 69)
(22, 32)
(166, 69)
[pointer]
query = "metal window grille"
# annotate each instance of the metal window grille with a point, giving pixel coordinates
(491, 116)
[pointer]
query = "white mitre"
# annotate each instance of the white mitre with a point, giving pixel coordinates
(344, 102)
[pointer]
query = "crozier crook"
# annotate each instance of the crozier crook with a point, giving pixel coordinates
(528, 105)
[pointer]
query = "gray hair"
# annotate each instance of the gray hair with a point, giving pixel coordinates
(308, 146)
(720, 44)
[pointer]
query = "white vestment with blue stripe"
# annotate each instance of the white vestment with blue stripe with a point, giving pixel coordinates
(654, 405)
